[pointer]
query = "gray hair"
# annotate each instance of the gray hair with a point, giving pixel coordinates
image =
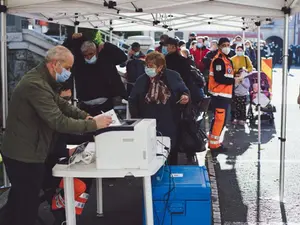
(187, 52)
(88, 45)
(59, 53)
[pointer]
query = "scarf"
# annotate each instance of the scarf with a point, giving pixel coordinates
(158, 92)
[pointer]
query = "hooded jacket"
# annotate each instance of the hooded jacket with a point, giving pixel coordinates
(100, 79)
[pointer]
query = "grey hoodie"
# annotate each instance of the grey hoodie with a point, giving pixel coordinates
(243, 88)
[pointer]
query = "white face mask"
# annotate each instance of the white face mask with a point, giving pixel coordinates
(239, 53)
(91, 60)
(213, 48)
(226, 50)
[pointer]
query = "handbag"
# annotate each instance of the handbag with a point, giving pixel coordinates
(191, 138)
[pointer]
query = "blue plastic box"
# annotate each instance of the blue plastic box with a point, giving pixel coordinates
(182, 196)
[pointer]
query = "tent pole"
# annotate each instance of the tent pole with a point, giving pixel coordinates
(60, 32)
(244, 36)
(110, 36)
(284, 105)
(76, 29)
(110, 31)
(74, 84)
(258, 82)
(4, 77)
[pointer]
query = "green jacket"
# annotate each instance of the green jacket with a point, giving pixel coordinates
(35, 113)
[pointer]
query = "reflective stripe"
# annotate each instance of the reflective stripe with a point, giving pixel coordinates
(228, 75)
(84, 196)
(211, 73)
(61, 199)
(57, 203)
(214, 137)
(214, 142)
(79, 205)
(221, 94)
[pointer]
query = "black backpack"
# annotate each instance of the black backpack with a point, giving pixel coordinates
(197, 77)
(195, 83)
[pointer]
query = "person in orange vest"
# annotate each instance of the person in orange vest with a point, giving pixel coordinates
(220, 86)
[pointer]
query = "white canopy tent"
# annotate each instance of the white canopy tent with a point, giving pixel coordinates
(160, 15)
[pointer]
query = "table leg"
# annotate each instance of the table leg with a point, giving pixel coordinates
(69, 200)
(148, 200)
(99, 191)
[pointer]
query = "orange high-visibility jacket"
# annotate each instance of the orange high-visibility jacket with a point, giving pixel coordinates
(215, 88)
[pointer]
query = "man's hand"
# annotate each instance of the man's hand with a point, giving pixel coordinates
(77, 35)
(130, 53)
(89, 118)
(184, 99)
(66, 93)
(102, 121)
(238, 80)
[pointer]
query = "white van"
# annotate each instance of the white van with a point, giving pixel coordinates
(146, 42)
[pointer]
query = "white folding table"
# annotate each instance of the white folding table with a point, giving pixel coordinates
(68, 173)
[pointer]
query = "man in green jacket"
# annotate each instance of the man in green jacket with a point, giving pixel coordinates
(35, 113)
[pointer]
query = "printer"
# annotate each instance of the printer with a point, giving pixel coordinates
(132, 145)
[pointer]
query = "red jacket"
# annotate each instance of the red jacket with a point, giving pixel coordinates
(199, 54)
(158, 49)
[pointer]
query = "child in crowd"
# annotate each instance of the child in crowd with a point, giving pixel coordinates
(241, 91)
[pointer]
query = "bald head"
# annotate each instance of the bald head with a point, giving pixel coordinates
(58, 53)
(59, 58)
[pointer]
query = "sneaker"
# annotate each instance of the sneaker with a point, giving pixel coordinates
(234, 122)
(242, 122)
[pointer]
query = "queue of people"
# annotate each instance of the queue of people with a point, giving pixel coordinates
(224, 64)
(166, 84)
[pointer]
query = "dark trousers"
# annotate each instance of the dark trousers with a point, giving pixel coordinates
(23, 200)
(240, 107)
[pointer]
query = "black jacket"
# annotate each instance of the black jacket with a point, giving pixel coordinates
(182, 66)
(179, 64)
(100, 79)
(168, 115)
(208, 58)
(134, 68)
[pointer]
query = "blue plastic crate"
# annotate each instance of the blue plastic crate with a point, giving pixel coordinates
(181, 196)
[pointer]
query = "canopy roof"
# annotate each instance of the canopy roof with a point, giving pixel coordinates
(154, 14)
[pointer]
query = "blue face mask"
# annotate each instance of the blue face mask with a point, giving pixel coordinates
(199, 45)
(164, 50)
(239, 53)
(151, 72)
(63, 76)
(91, 60)
(137, 54)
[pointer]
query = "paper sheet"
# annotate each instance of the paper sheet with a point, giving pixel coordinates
(115, 119)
